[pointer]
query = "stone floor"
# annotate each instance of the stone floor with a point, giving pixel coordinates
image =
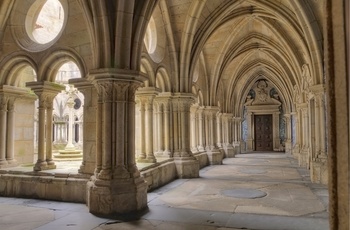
(252, 191)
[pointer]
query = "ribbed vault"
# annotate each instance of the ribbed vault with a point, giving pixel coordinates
(234, 42)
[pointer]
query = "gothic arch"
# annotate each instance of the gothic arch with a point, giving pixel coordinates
(53, 61)
(13, 64)
(163, 79)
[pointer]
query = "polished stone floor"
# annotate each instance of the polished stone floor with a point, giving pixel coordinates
(252, 191)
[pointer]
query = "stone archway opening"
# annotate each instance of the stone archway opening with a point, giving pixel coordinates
(68, 114)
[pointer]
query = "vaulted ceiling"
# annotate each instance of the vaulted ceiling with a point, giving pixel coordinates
(223, 47)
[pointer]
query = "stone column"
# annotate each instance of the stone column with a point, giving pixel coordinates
(295, 147)
(3, 129)
(237, 135)
(288, 142)
(163, 131)
(304, 129)
(146, 97)
(187, 165)
(228, 147)
(213, 152)
(46, 92)
(10, 131)
(88, 135)
(117, 186)
(276, 131)
(320, 119)
(219, 131)
(49, 110)
(201, 129)
(194, 142)
(250, 141)
(319, 163)
(140, 128)
(167, 127)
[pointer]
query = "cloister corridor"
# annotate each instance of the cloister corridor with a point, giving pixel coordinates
(257, 190)
(174, 114)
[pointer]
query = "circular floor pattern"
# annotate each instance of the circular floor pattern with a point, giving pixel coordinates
(253, 171)
(245, 193)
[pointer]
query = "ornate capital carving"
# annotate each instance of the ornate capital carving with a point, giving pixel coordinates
(3, 102)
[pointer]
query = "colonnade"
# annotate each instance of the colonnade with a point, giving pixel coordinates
(161, 124)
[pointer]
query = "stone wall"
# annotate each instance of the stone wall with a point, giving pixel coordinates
(24, 131)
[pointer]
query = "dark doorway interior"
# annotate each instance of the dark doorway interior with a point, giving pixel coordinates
(263, 133)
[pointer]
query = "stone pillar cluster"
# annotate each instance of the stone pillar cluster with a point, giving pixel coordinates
(310, 133)
(46, 92)
(144, 124)
(7, 103)
(116, 178)
(228, 131)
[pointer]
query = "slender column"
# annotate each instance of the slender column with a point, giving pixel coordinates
(194, 141)
(3, 118)
(70, 104)
(140, 124)
(49, 110)
(219, 130)
(237, 135)
(288, 132)
(160, 129)
(207, 129)
(146, 97)
(276, 130)
(10, 131)
(41, 162)
(99, 130)
(229, 129)
(149, 130)
(225, 129)
(249, 134)
(322, 124)
(317, 127)
(167, 137)
(200, 130)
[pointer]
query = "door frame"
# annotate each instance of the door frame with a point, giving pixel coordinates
(263, 110)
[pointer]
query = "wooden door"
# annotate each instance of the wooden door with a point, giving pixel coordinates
(263, 133)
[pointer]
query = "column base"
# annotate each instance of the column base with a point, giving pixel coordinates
(302, 158)
(296, 151)
(42, 165)
(118, 196)
(288, 147)
(87, 167)
(187, 167)
(201, 149)
(237, 148)
(250, 145)
(8, 164)
(215, 157)
(147, 160)
(319, 171)
(243, 147)
(229, 151)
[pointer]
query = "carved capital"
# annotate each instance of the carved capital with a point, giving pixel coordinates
(3, 102)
